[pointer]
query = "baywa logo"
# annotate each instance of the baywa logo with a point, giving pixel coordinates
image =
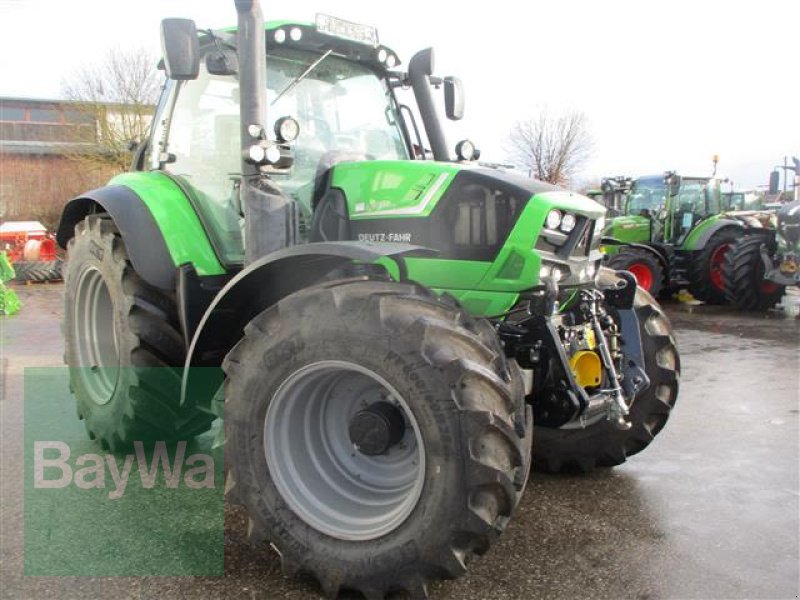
(90, 471)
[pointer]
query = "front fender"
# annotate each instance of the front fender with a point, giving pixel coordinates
(261, 285)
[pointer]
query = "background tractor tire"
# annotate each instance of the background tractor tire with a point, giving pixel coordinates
(602, 444)
(745, 286)
(644, 265)
(37, 271)
(123, 345)
(706, 272)
(466, 422)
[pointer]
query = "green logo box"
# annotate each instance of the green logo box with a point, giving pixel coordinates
(155, 509)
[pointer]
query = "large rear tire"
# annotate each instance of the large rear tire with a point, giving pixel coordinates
(745, 286)
(706, 271)
(602, 444)
(306, 368)
(123, 345)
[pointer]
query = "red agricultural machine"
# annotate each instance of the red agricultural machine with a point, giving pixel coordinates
(31, 250)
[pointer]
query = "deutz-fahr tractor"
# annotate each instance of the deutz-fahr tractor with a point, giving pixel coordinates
(389, 320)
(675, 233)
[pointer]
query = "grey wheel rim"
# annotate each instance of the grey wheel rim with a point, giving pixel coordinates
(96, 336)
(318, 471)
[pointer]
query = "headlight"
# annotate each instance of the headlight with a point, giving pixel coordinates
(567, 222)
(553, 219)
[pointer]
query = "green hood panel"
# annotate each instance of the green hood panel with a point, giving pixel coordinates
(183, 233)
(392, 189)
(630, 228)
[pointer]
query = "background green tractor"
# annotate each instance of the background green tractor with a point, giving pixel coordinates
(386, 325)
(676, 232)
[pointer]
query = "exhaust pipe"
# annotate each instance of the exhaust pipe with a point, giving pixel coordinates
(268, 213)
(420, 68)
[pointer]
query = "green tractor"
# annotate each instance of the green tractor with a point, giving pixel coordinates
(675, 232)
(386, 325)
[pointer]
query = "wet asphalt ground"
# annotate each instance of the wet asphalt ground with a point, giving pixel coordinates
(709, 510)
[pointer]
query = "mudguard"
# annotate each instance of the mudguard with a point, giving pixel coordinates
(656, 250)
(160, 226)
(144, 241)
(262, 284)
(699, 237)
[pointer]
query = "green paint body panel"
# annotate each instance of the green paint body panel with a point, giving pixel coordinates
(184, 235)
(629, 229)
(692, 241)
(386, 189)
(480, 303)
(378, 190)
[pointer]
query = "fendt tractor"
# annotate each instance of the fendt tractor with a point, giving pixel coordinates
(389, 320)
(675, 232)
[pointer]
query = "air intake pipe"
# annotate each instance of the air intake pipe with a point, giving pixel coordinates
(420, 69)
(268, 213)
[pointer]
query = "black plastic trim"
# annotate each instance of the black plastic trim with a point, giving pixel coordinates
(143, 239)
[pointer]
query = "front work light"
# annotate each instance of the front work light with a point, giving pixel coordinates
(287, 129)
(553, 219)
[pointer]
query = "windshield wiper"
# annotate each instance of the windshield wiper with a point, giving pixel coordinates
(300, 77)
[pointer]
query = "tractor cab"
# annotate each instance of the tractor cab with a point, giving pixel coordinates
(673, 205)
(331, 99)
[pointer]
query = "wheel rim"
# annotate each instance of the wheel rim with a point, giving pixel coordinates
(715, 266)
(643, 275)
(318, 471)
(96, 336)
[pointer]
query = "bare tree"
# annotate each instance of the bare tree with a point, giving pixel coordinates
(117, 97)
(550, 147)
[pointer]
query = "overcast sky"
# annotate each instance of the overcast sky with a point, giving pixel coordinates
(664, 84)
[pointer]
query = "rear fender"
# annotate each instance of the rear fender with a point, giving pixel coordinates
(143, 239)
(698, 238)
(160, 227)
(261, 285)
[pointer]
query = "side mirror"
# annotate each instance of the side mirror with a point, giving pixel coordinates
(453, 98)
(774, 182)
(181, 49)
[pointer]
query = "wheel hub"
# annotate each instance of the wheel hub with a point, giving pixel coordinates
(377, 428)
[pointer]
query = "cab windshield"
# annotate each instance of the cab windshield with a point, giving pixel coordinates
(345, 112)
(698, 196)
(647, 196)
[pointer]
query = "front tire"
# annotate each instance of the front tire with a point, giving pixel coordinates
(643, 265)
(123, 345)
(745, 286)
(305, 369)
(602, 444)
